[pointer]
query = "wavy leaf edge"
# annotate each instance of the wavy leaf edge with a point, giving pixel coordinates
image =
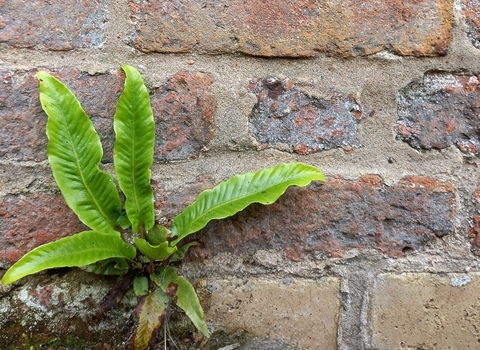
(196, 216)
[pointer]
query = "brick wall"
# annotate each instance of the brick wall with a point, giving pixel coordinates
(383, 96)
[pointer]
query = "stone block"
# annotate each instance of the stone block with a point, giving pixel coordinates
(302, 313)
(426, 311)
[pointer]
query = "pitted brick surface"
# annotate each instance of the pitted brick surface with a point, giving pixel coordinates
(54, 25)
(296, 28)
(474, 229)
(27, 221)
(285, 118)
(183, 110)
(441, 110)
(331, 218)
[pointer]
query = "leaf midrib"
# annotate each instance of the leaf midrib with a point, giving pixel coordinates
(133, 159)
(79, 168)
(84, 251)
(198, 218)
(134, 173)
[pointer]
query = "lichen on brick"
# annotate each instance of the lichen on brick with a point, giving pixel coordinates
(471, 10)
(439, 111)
(285, 118)
(59, 309)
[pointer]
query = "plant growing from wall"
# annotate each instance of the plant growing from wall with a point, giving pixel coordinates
(124, 238)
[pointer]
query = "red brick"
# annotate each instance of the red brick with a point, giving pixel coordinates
(54, 25)
(172, 203)
(183, 109)
(22, 124)
(471, 10)
(331, 218)
(286, 118)
(31, 220)
(296, 28)
(439, 111)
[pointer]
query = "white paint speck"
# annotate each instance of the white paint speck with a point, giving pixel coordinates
(460, 280)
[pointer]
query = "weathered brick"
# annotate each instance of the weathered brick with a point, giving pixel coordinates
(172, 202)
(297, 28)
(60, 309)
(27, 221)
(474, 229)
(54, 25)
(285, 118)
(426, 311)
(22, 128)
(339, 215)
(22, 121)
(302, 313)
(183, 109)
(471, 10)
(440, 111)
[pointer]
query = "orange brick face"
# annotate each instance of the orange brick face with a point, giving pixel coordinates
(299, 28)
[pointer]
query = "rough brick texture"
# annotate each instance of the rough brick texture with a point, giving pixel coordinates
(474, 229)
(60, 310)
(285, 118)
(471, 10)
(27, 221)
(183, 109)
(171, 203)
(295, 28)
(283, 311)
(440, 111)
(54, 25)
(332, 218)
(426, 311)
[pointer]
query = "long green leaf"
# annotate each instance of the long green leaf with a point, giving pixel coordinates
(81, 249)
(178, 286)
(231, 196)
(133, 150)
(151, 314)
(74, 152)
